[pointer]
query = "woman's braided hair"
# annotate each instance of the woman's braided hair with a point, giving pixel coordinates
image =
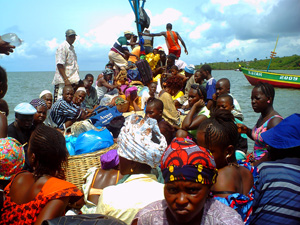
(267, 89)
(51, 154)
(220, 129)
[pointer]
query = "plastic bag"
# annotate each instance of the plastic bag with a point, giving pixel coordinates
(93, 140)
(70, 144)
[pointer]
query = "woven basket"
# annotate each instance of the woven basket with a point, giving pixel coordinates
(78, 165)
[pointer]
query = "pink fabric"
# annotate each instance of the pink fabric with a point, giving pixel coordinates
(129, 90)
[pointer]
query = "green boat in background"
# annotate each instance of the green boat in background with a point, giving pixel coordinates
(276, 79)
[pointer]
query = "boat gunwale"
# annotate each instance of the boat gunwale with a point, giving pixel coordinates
(277, 74)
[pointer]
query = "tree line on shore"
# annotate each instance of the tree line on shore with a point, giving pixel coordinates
(278, 63)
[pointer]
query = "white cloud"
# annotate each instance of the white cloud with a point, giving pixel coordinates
(169, 15)
(233, 44)
(109, 30)
(262, 6)
(187, 20)
(224, 3)
(196, 34)
(22, 51)
(215, 46)
(52, 44)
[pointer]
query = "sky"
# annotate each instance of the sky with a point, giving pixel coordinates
(213, 31)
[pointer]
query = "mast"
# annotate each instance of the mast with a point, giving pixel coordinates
(135, 5)
(273, 53)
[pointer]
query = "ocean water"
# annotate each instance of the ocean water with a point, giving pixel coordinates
(25, 86)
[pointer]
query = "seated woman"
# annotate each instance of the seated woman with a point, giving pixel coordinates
(172, 86)
(41, 111)
(43, 194)
(99, 178)
(47, 97)
(79, 96)
(140, 148)
(219, 134)
(187, 185)
(197, 114)
(133, 99)
(12, 160)
(262, 98)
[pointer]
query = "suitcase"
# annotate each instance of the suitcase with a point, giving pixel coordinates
(145, 71)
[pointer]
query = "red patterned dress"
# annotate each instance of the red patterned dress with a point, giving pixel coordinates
(27, 213)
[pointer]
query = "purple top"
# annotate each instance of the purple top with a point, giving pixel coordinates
(214, 212)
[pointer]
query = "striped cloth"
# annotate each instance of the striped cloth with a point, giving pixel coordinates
(61, 111)
(277, 194)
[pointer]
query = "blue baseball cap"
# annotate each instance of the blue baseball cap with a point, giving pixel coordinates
(25, 108)
(285, 135)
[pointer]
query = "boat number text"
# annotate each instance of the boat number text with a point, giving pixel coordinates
(254, 73)
(288, 78)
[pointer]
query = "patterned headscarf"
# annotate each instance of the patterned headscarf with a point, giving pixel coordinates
(184, 160)
(38, 102)
(140, 140)
(12, 157)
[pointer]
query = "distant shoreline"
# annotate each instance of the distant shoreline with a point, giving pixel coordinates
(278, 63)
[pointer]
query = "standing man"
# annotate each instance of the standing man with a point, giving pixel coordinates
(67, 71)
(172, 38)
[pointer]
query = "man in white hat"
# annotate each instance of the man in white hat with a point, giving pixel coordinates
(67, 70)
(120, 51)
(22, 127)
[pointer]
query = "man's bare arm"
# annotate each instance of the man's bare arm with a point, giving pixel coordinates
(62, 72)
(183, 44)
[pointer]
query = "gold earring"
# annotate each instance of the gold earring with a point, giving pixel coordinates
(131, 170)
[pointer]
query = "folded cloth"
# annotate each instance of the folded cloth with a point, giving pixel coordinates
(140, 140)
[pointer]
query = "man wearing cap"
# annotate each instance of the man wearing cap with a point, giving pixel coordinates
(103, 85)
(120, 51)
(22, 127)
(276, 196)
(190, 80)
(67, 70)
(172, 38)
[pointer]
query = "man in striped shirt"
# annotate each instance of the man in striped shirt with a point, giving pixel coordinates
(277, 194)
(64, 111)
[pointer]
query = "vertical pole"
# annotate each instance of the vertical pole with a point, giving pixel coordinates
(272, 54)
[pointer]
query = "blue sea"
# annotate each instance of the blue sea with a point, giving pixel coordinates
(25, 86)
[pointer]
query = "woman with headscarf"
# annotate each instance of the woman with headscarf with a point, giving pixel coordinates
(41, 111)
(141, 146)
(12, 159)
(189, 172)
